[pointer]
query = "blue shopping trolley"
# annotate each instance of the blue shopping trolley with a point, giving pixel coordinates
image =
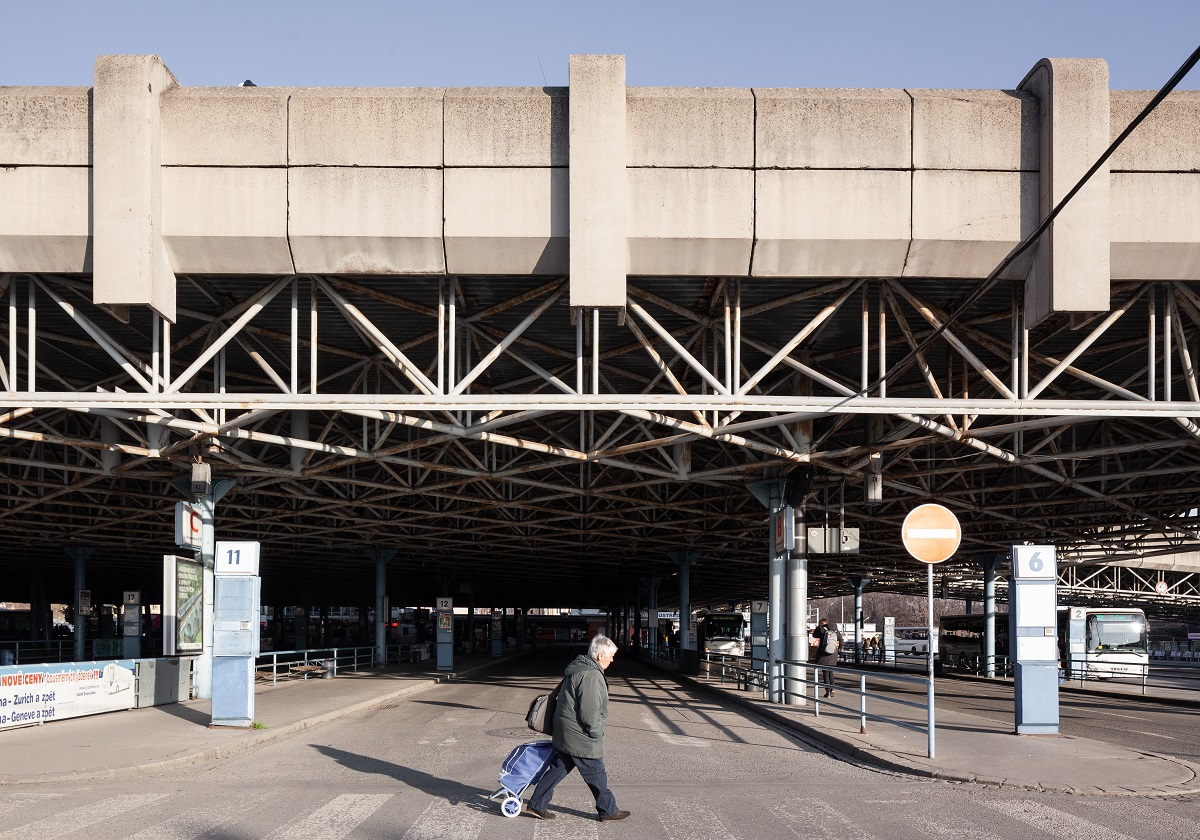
(522, 769)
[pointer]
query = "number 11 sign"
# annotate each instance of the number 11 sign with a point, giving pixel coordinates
(236, 558)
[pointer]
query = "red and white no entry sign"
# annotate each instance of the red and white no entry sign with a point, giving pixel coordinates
(931, 533)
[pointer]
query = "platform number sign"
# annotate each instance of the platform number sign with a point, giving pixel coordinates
(445, 604)
(236, 558)
(1034, 562)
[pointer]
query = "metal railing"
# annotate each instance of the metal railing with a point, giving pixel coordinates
(321, 662)
(862, 692)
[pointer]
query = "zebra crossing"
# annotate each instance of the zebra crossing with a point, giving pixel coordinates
(691, 815)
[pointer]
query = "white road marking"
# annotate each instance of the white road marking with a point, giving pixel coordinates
(691, 822)
(675, 740)
(569, 826)
(443, 821)
(951, 831)
(335, 819)
(812, 818)
(1053, 821)
(1115, 714)
(1152, 734)
(82, 817)
(20, 800)
(199, 820)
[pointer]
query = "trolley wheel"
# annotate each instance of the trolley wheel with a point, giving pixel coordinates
(510, 806)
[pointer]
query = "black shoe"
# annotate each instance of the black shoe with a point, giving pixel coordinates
(619, 815)
(541, 815)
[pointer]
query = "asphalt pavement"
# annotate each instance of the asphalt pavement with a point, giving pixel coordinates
(968, 748)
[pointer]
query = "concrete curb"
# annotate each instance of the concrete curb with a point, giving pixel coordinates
(844, 749)
(1072, 688)
(258, 737)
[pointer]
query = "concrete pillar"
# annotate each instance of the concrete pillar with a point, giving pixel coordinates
(637, 620)
(689, 662)
(989, 612)
(774, 493)
(80, 554)
(859, 583)
(652, 616)
(599, 253)
(381, 556)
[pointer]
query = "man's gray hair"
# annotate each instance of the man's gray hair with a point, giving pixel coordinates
(601, 644)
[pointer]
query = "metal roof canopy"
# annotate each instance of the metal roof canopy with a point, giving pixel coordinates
(581, 450)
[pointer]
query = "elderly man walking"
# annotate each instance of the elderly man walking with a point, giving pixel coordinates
(579, 732)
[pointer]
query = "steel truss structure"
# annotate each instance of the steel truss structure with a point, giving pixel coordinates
(501, 441)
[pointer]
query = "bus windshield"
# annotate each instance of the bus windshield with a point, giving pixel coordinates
(1116, 632)
(723, 626)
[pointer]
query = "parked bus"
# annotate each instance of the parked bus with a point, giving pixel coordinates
(913, 641)
(1115, 642)
(722, 633)
(960, 642)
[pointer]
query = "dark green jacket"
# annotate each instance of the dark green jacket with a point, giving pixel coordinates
(582, 709)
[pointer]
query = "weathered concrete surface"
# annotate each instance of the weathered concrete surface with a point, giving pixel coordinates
(507, 221)
(682, 127)
(690, 221)
(597, 177)
(831, 223)
(243, 127)
(358, 220)
(364, 127)
(688, 181)
(964, 223)
(833, 129)
(129, 263)
(506, 127)
(44, 223)
(48, 126)
(226, 221)
(993, 130)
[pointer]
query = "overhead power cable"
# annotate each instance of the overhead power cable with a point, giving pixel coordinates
(1024, 245)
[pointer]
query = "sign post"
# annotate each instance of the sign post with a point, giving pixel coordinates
(444, 618)
(931, 534)
(235, 633)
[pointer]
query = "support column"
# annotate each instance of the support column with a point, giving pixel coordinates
(773, 494)
(797, 614)
(989, 612)
(859, 583)
(381, 556)
(637, 619)
(80, 554)
(689, 661)
(652, 639)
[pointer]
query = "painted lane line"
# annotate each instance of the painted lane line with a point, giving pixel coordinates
(200, 820)
(692, 821)
(814, 818)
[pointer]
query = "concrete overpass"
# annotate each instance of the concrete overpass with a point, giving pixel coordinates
(534, 339)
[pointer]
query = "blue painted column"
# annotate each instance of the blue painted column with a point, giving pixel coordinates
(80, 554)
(381, 556)
(689, 662)
(989, 612)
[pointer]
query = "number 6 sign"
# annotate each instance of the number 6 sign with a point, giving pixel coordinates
(1034, 562)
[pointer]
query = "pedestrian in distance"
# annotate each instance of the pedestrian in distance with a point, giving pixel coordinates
(579, 720)
(829, 641)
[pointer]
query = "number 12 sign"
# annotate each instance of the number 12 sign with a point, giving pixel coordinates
(236, 558)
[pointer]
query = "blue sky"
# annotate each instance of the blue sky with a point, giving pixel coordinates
(837, 43)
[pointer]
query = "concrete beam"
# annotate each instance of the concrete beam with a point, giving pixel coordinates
(1165, 141)
(129, 262)
(45, 126)
(1155, 226)
(832, 223)
(365, 127)
(599, 261)
(690, 221)
(507, 221)
(689, 127)
(833, 129)
(226, 126)
(1071, 268)
(499, 127)
(226, 221)
(357, 220)
(991, 130)
(44, 219)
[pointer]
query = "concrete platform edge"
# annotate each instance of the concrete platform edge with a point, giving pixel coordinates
(889, 762)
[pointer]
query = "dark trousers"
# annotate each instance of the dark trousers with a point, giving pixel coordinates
(827, 675)
(593, 772)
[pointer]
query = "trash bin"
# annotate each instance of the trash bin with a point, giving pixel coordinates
(7, 657)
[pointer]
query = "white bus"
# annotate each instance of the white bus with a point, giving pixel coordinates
(914, 641)
(722, 633)
(1114, 644)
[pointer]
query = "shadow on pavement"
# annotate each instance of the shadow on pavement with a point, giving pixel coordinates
(455, 793)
